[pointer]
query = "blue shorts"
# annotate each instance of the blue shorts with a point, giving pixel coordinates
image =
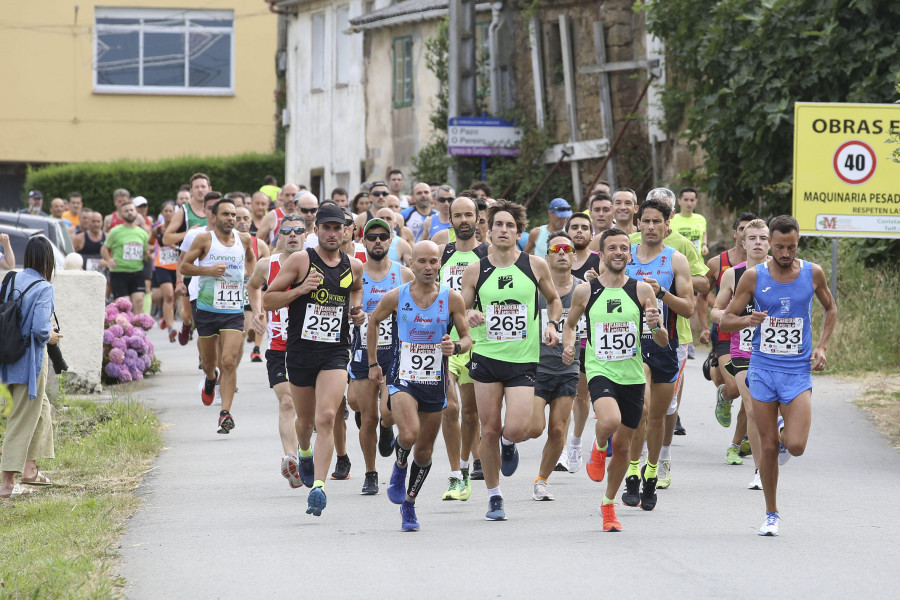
(663, 365)
(774, 386)
(430, 398)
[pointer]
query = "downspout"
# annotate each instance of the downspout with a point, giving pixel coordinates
(275, 9)
(496, 7)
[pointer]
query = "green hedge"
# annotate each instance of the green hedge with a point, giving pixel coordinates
(157, 181)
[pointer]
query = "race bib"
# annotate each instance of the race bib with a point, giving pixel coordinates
(133, 251)
(384, 332)
(615, 341)
(781, 336)
(580, 331)
(420, 362)
(453, 276)
(506, 322)
(92, 264)
(168, 255)
(645, 331)
(322, 323)
(280, 327)
(228, 295)
(746, 339)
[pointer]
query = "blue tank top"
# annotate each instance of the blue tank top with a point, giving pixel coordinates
(540, 245)
(373, 292)
(784, 340)
(436, 226)
(419, 333)
(660, 269)
(392, 251)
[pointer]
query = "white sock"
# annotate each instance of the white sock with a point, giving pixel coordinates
(505, 441)
(574, 441)
(456, 474)
(494, 492)
(463, 464)
(665, 453)
(645, 447)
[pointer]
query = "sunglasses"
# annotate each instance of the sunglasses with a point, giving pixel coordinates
(560, 249)
(298, 230)
(309, 211)
(442, 200)
(381, 237)
(379, 194)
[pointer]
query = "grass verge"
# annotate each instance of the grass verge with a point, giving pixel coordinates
(880, 399)
(61, 541)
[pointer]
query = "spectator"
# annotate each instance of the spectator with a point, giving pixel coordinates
(7, 258)
(29, 432)
(35, 204)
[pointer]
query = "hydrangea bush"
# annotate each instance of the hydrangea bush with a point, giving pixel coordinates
(127, 353)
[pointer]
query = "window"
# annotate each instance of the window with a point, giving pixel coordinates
(342, 45)
(318, 52)
(403, 88)
(163, 51)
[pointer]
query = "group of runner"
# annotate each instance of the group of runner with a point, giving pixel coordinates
(478, 338)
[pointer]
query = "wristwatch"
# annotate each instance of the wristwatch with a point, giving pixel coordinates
(374, 364)
(457, 349)
(554, 323)
(660, 293)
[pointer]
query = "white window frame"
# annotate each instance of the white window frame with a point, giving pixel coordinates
(317, 63)
(162, 13)
(342, 46)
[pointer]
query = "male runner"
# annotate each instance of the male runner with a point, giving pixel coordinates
(124, 250)
(460, 440)
(414, 216)
(779, 377)
(503, 288)
(380, 275)
(322, 287)
(288, 197)
(625, 205)
(224, 256)
(601, 212)
(557, 213)
(424, 311)
(440, 220)
(615, 306)
(242, 222)
(259, 206)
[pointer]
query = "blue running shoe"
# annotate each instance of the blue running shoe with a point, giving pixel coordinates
(609, 447)
(509, 459)
(397, 489)
(307, 471)
(316, 502)
(495, 509)
(408, 512)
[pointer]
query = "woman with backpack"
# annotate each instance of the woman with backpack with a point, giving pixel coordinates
(29, 431)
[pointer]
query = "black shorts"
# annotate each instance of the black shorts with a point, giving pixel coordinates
(551, 386)
(276, 367)
(581, 362)
(722, 347)
(629, 398)
(126, 284)
(161, 276)
(491, 370)
(736, 365)
(303, 367)
(359, 369)
(663, 365)
(211, 323)
(148, 269)
(194, 310)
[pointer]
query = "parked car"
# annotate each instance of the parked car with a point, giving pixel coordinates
(55, 229)
(18, 238)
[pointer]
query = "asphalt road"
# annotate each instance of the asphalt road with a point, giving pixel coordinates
(219, 521)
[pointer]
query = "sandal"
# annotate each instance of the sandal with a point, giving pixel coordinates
(40, 480)
(17, 492)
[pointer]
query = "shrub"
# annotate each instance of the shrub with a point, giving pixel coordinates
(127, 353)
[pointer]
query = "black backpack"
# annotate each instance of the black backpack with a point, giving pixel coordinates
(12, 343)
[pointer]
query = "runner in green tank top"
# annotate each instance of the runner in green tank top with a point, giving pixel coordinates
(503, 287)
(615, 305)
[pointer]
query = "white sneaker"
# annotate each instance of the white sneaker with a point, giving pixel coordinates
(217, 400)
(561, 463)
(770, 525)
(573, 457)
(664, 478)
(756, 484)
(541, 491)
(783, 454)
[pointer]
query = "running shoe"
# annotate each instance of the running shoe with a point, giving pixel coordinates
(226, 423)
(288, 468)
(173, 335)
(679, 428)
(453, 489)
(217, 399)
(162, 323)
(184, 335)
(397, 488)
(610, 522)
(783, 454)
(541, 491)
(208, 389)
(307, 472)
(745, 447)
(562, 464)
(770, 525)
(733, 455)
(370, 486)
(648, 491)
(408, 513)
(385, 440)
(254, 355)
(573, 456)
(341, 468)
(509, 459)
(315, 502)
(691, 353)
(664, 475)
(609, 450)
(465, 488)
(477, 472)
(596, 464)
(495, 509)
(723, 408)
(631, 496)
(756, 484)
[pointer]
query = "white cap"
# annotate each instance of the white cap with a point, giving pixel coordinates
(139, 201)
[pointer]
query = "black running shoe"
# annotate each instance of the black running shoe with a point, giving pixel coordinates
(648, 491)
(342, 468)
(226, 422)
(370, 486)
(631, 497)
(679, 429)
(385, 440)
(477, 473)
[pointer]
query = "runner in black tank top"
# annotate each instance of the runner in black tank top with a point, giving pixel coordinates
(592, 262)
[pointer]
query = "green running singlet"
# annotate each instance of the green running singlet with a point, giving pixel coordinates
(614, 317)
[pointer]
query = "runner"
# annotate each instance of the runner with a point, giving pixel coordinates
(223, 256)
(538, 238)
(625, 205)
(441, 220)
(779, 377)
(380, 275)
(615, 306)
(601, 215)
(460, 440)
(242, 222)
(88, 242)
(321, 287)
(290, 240)
(124, 251)
(165, 261)
(503, 288)
(425, 310)
(288, 196)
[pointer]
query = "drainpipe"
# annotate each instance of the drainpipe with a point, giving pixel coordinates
(496, 7)
(275, 9)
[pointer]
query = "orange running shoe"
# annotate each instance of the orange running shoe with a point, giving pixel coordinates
(610, 523)
(596, 465)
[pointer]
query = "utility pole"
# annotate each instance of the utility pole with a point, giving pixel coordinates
(462, 84)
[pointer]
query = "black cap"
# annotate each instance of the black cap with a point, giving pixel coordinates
(330, 213)
(35, 194)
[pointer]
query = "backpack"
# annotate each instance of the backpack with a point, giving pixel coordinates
(12, 342)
